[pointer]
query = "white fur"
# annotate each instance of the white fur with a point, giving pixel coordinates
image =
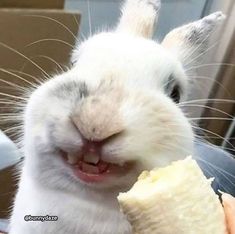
(155, 132)
(139, 17)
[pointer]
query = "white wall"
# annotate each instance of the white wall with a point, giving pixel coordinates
(105, 13)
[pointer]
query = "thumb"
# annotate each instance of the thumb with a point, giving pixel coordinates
(229, 209)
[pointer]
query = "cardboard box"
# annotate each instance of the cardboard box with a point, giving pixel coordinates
(46, 37)
(20, 33)
(43, 4)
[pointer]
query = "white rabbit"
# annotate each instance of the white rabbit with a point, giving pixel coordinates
(90, 131)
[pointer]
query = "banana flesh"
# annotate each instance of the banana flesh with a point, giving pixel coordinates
(177, 199)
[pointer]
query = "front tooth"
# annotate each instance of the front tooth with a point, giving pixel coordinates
(88, 168)
(72, 159)
(91, 158)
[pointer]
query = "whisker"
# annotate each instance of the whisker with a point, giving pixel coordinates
(211, 118)
(13, 129)
(75, 19)
(10, 103)
(213, 81)
(38, 80)
(201, 54)
(202, 140)
(50, 39)
(16, 136)
(13, 102)
(12, 192)
(6, 119)
(176, 134)
(19, 77)
(9, 113)
(12, 96)
(208, 100)
(223, 172)
(83, 36)
(50, 59)
(208, 107)
(198, 136)
(25, 57)
(189, 153)
(210, 64)
(170, 146)
(17, 87)
(54, 20)
(89, 16)
(11, 118)
(190, 53)
(16, 108)
(215, 134)
(12, 113)
(16, 117)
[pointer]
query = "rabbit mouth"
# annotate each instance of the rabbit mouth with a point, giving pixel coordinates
(92, 169)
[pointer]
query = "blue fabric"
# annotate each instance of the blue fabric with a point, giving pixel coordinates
(4, 224)
(216, 163)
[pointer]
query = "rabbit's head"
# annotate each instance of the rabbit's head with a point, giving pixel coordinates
(115, 113)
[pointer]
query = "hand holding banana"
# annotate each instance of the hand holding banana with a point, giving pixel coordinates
(177, 199)
(229, 208)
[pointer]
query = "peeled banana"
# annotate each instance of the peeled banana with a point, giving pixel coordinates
(177, 199)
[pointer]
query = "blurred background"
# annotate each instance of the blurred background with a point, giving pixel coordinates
(36, 39)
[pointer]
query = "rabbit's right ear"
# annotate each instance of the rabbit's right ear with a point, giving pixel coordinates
(139, 17)
(192, 39)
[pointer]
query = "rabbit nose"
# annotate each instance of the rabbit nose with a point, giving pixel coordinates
(98, 118)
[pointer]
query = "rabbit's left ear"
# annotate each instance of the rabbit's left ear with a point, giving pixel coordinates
(192, 39)
(139, 17)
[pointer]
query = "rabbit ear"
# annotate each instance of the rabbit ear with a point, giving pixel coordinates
(139, 17)
(192, 39)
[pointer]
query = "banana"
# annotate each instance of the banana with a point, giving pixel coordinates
(177, 199)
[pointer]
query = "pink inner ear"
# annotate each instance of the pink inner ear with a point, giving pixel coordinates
(193, 36)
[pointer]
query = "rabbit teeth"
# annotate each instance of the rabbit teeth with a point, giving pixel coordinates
(72, 159)
(91, 158)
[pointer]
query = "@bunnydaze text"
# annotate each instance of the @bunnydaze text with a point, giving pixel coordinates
(41, 218)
